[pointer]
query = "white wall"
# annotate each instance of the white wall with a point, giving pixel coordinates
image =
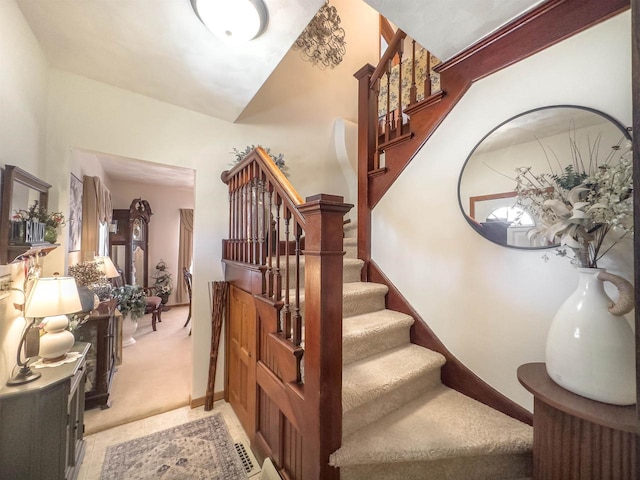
(293, 113)
(492, 305)
(23, 90)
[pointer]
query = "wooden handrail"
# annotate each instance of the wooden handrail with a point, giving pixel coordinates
(287, 191)
(388, 55)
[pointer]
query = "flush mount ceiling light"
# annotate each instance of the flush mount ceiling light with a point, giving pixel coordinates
(232, 20)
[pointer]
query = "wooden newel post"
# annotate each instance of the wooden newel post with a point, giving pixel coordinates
(323, 333)
(367, 151)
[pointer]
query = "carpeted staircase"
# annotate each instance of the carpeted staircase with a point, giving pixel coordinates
(399, 421)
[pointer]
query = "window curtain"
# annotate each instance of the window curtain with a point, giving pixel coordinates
(185, 251)
(96, 209)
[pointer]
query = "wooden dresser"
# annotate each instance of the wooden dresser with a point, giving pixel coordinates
(575, 438)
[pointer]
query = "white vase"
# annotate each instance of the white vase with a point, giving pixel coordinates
(129, 327)
(590, 345)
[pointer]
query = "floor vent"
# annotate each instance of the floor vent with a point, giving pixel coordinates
(244, 457)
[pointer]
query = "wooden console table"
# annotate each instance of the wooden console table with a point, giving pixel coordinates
(575, 438)
(42, 424)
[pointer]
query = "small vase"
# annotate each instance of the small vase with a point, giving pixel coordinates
(88, 299)
(590, 345)
(50, 234)
(129, 327)
(17, 231)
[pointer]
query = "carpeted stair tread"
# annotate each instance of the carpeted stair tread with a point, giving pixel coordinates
(439, 424)
(368, 379)
(372, 333)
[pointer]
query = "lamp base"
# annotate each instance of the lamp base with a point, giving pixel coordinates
(57, 359)
(25, 375)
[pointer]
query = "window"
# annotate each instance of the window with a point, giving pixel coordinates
(514, 215)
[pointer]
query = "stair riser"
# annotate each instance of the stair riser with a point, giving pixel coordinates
(389, 401)
(508, 466)
(358, 304)
(350, 273)
(361, 304)
(377, 342)
(351, 251)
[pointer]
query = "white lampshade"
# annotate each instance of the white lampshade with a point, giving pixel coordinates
(232, 20)
(53, 296)
(106, 266)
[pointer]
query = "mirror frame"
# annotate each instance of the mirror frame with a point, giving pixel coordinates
(624, 130)
(10, 176)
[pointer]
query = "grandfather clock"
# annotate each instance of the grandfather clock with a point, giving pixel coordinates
(131, 238)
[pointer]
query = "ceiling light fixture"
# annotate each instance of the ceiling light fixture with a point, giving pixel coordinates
(232, 20)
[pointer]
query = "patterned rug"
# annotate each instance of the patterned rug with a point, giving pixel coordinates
(202, 449)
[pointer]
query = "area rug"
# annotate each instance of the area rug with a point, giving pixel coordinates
(201, 449)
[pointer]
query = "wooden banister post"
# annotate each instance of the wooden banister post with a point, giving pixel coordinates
(367, 133)
(323, 334)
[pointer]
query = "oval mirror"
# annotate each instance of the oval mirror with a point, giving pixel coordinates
(555, 140)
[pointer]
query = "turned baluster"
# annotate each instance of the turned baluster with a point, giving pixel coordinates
(398, 122)
(427, 81)
(297, 318)
(387, 126)
(413, 91)
(277, 290)
(286, 310)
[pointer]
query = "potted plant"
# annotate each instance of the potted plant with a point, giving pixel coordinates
(163, 285)
(131, 302)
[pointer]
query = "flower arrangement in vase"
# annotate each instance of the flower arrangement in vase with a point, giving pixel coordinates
(590, 347)
(91, 282)
(131, 300)
(36, 214)
(582, 205)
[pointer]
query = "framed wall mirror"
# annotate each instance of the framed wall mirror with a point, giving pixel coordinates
(546, 140)
(20, 190)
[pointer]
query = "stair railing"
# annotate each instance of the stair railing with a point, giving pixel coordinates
(397, 96)
(299, 335)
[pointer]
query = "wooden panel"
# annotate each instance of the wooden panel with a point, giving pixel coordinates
(569, 448)
(575, 438)
(242, 327)
(292, 459)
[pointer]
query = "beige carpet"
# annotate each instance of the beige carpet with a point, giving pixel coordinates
(155, 375)
(398, 420)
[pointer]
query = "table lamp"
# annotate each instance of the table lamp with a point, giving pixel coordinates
(50, 298)
(106, 266)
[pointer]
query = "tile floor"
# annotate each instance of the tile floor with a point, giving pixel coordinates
(97, 443)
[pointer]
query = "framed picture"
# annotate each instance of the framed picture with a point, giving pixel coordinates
(75, 214)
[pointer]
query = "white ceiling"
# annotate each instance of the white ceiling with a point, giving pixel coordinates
(159, 48)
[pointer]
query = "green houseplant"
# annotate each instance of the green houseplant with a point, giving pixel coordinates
(131, 300)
